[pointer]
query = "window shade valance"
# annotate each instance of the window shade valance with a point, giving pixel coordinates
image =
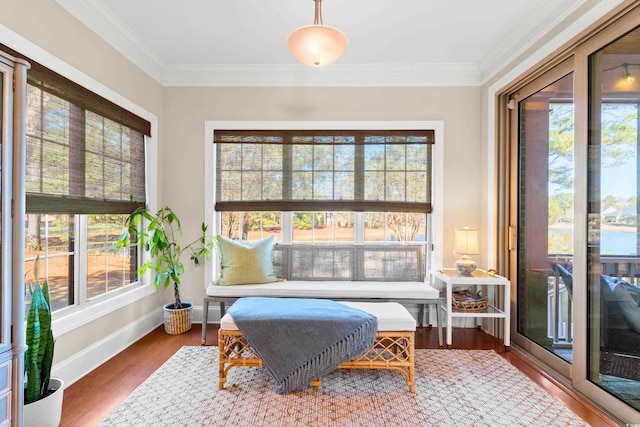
(52, 82)
(323, 136)
(326, 170)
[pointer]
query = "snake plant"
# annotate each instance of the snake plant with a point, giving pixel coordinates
(40, 342)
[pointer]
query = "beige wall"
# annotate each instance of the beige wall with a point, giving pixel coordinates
(53, 29)
(182, 112)
(187, 109)
(47, 25)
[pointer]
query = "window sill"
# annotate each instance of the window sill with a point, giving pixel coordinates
(75, 317)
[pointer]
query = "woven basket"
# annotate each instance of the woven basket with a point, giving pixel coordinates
(469, 301)
(177, 321)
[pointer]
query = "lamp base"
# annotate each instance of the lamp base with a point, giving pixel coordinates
(465, 266)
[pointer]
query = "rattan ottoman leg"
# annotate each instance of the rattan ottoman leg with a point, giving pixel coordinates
(315, 384)
(411, 380)
(222, 377)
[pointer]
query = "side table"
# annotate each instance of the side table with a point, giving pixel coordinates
(452, 278)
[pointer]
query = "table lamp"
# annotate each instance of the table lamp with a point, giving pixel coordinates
(466, 244)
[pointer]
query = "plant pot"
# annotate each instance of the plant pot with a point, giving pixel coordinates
(46, 412)
(177, 321)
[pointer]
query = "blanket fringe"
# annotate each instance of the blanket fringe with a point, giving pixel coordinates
(352, 346)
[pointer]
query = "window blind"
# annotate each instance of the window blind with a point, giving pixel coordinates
(85, 154)
(289, 170)
(79, 161)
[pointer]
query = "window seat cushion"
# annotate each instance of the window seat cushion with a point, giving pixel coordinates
(329, 289)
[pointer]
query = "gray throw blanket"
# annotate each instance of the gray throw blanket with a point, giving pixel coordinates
(300, 340)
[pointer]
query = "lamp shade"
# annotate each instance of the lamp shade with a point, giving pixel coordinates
(467, 241)
(317, 45)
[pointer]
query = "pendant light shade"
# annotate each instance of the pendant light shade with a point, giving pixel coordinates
(317, 45)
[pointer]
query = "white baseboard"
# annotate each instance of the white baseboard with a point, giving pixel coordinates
(79, 365)
(214, 313)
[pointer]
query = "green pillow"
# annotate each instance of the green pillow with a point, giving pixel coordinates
(242, 264)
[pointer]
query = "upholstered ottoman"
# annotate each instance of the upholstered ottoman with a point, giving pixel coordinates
(393, 348)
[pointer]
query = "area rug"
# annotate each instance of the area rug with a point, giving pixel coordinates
(453, 388)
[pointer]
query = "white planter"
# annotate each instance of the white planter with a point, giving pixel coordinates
(46, 412)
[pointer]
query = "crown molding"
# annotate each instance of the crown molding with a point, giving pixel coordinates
(336, 75)
(540, 21)
(101, 20)
(568, 33)
(112, 30)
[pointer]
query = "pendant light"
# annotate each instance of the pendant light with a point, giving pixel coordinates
(317, 45)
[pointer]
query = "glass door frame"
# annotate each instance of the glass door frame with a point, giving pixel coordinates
(580, 379)
(575, 375)
(559, 366)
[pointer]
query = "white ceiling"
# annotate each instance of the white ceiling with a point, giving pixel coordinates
(216, 42)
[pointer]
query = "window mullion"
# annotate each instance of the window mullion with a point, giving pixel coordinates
(80, 270)
(287, 189)
(287, 228)
(406, 179)
(358, 228)
(287, 175)
(358, 168)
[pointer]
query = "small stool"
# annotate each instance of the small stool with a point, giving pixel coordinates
(393, 348)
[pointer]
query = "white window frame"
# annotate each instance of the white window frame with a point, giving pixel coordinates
(68, 320)
(84, 311)
(434, 219)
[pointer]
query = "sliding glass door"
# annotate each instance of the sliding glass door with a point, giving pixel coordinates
(543, 123)
(573, 186)
(612, 253)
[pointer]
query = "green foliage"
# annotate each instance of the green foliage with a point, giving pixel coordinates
(309, 220)
(303, 221)
(561, 145)
(559, 205)
(618, 135)
(560, 243)
(159, 236)
(40, 342)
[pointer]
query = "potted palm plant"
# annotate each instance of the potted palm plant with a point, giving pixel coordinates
(43, 394)
(158, 234)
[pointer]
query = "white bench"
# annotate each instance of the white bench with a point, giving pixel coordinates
(393, 348)
(419, 293)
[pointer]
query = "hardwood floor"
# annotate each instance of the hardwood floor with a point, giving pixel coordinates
(90, 399)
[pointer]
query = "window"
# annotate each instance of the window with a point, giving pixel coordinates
(85, 171)
(324, 187)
